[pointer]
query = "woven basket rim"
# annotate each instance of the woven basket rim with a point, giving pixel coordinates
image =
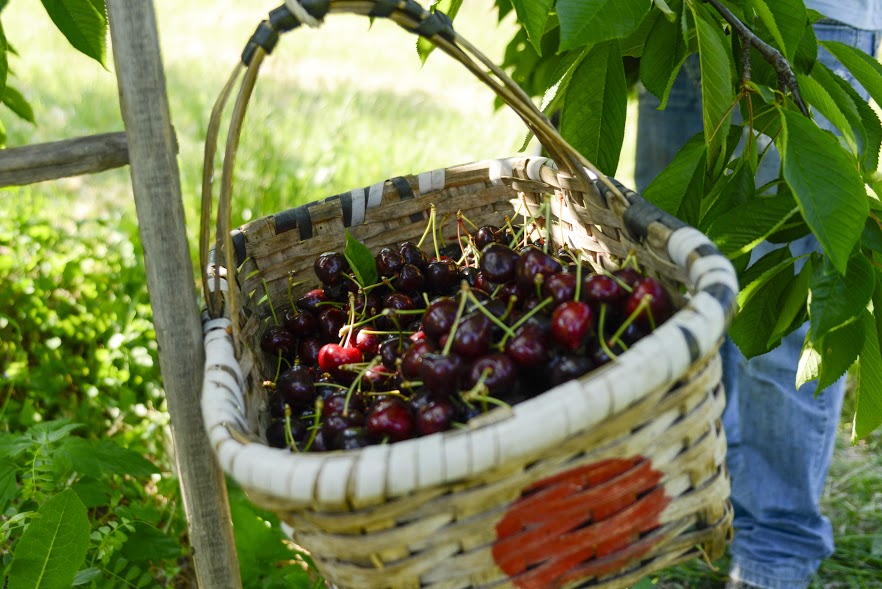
(339, 478)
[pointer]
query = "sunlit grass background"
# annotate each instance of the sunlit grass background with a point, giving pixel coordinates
(337, 108)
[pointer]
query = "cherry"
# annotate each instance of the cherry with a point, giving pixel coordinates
(339, 293)
(567, 367)
(501, 373)
(276, 339)
(482, 282)
(377, 379)
(330, 321)
(488, 234)
(277, 437)
(332, 356)
(300, 323)
(660, 305)
(391, 419)
(442, 276)
(308, 351)
(534, 266)
(336, 404)
(389, 262)
(473, 335)
(329, 267)
(410, 362)
(412, 254)
(571, 323)
(393, 349)
(367, 343)
(311, 300)
(629, 275)
(370, 305)
(598, 288)
(499, 262)
(295, 385)
(561, 287)
(410, 279)
(275, 404)
(469, 274)
(529, 346)
(440, 373)
(353, 438)
(439, 317)
(396, 301)
(435, 416)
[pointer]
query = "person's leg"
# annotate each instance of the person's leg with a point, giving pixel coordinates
(780, 440)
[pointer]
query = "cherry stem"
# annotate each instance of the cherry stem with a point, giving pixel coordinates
(621, 282)
(357, 383)
(603, 345)
(578, 279)
(527, 316)
(428, 226)
(289, 435)
(278, 366)
(434, 234)
(319, 406)
(547, 223)
(349, 328)
(269, 301)
(641, 306)
(381, 332)
(489, 315)
(461, 215)
(348, 336)
(464, 287)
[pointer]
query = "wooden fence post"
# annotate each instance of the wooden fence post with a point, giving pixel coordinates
(157, 190)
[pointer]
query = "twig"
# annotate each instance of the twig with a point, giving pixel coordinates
(786, 77)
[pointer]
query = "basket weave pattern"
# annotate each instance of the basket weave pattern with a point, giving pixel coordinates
(594, 483)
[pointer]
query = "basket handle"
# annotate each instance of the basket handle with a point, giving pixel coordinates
(434, 26)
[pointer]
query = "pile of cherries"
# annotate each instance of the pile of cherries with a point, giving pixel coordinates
(437, 341)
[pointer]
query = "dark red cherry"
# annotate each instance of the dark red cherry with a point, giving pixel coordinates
(308, 350)
(488, 234)
(529, 346)
(473, 335)
(277, 436)
(629, 275)
(300, 323)
(353, 438)
(441, 373)
(369, 305)
(571, 323)
(500, 370)
(332, 356)
(410, 362)
(311, 300)
(442, 276)
(330, 321)
(482, 282)
(410, 279)
(499, 262)
(330, 267)
(392, 420)
(439, 317)
(469, 274)
(338, 293)
(567, 367)
(295, 385)
(435, 416)
(659, 301)
(412, 254)
(534, 267)
(561, 287)
(393, 349)
(367, 343)
(602, 289)
(277, 339)
(389, 262)
(337, 404)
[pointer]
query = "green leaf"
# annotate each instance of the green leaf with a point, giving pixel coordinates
(83, 24)
(532, 14)
(742, 228)
(7, 485)
(864, 68)
(84, 576)
(806, 52)
(4, 67)
(360, 259)
(717, 73)
(792, 303)
(839, 349)
(785, 20)
(424, 46)
(816, 95)
(872, 236)
(868, 398)
(584, 22)
(95, 459)
(670, 14)
(826, 184)
(663, 56)
(52, 548)
(17, 104)
(682, 179)
(149, 544)
(863, 119)
(593, 116)
(728, 193)
(758, 309)
(838, 299)
(809, 367)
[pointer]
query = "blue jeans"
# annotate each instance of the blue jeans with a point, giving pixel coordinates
(781, 439)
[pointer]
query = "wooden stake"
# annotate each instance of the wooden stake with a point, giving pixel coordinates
(61, 159)
(157, 191)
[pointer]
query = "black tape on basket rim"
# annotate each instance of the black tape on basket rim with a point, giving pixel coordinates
(265, 36)
(283, 21)
(295, 218)
(346, 207)
(724, 294)
(238, 246)
(384, 8)
(692, 344)
(437, 23)
(404, 190)
(641, 213)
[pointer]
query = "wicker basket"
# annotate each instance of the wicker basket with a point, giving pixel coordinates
(594, 483)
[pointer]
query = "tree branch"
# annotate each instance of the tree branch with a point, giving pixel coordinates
(786, 77)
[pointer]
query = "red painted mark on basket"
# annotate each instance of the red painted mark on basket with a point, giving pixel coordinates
(583, 523)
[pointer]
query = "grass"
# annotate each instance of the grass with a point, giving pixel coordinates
(338, 108)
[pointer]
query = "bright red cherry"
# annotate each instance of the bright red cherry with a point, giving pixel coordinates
(332, 356)
(571, 323)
